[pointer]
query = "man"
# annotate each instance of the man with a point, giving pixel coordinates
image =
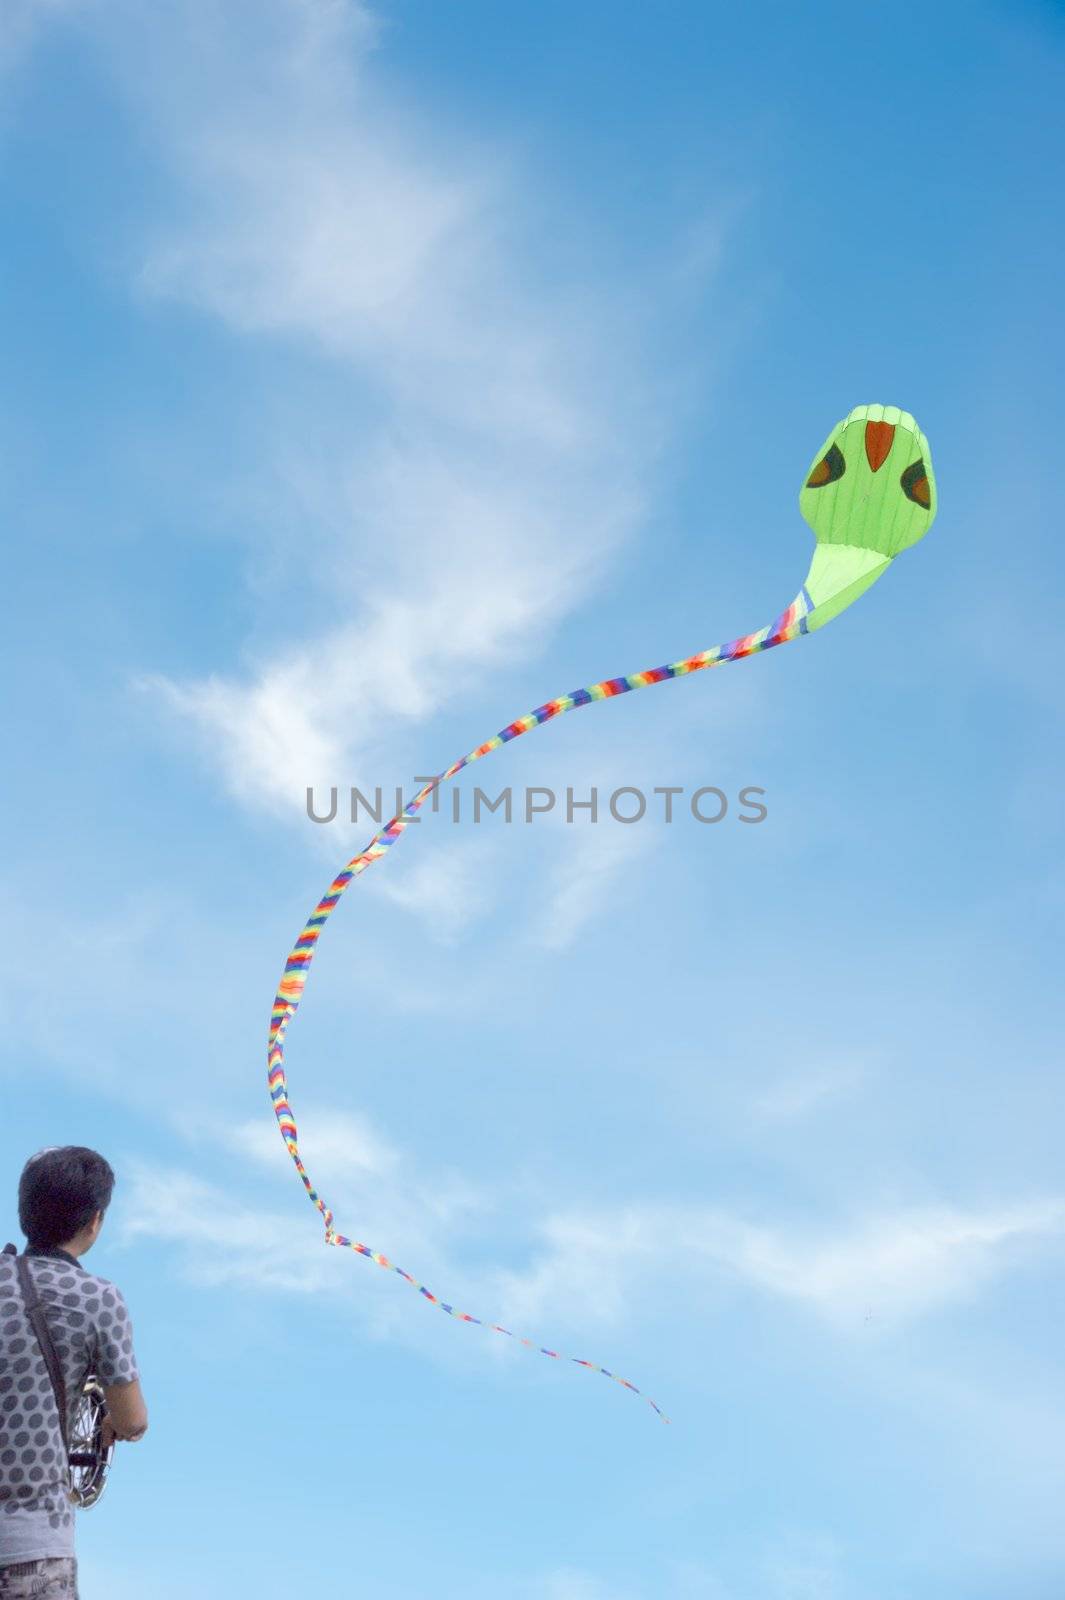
(62, 1197)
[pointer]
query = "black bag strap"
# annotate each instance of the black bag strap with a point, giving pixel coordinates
(35, 1312)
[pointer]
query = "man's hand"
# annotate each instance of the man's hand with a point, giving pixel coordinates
(127, 1415)
(109, 1433)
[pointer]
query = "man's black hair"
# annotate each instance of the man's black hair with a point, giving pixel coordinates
(60, 1191)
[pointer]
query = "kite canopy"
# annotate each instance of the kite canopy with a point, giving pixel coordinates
(870, 493)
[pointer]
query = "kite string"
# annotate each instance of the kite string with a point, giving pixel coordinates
(789, 625)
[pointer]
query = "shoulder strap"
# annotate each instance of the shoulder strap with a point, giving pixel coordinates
(35, 1312)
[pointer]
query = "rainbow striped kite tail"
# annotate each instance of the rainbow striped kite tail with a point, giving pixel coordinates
(792, 622)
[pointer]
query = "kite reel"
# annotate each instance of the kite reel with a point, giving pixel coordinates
(90, 1458)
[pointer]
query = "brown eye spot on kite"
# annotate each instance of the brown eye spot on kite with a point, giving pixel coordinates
(828, 469)
(914, 483)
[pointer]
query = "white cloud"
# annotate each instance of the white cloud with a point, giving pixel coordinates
(805, 1567)
(84, 1007)
(567, 1583)
(903, 1265)
(225, 1233)
(447, 888)
(584, 876)
(221, 1240)
(504, 433)
(588, 861)
(370, 1183)
(585, 1276)
(899, 1266)
(20, 23)
(794, 1565)
(800, 1092)
(344, 1144)
(588, 1270)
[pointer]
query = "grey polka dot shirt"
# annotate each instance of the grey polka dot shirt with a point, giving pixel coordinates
(90, 1328)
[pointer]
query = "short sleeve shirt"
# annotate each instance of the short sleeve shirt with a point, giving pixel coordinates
(91, 1331)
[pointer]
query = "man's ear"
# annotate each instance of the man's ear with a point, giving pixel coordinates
(97, 1223)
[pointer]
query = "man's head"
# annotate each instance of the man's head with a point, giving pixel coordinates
(62, 1195)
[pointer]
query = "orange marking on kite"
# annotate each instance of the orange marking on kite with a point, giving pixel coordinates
(879, 437)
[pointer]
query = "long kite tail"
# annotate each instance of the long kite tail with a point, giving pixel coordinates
(789, 625)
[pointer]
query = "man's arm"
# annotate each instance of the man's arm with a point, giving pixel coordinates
(127, 1414)
(115, 1366)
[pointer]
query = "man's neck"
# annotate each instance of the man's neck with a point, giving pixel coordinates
(57, 1253)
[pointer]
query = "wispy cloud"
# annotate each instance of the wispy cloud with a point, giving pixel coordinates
(344, 1144)
(587, 1270)
(584, 876)
(21, 21)
(505, 428)
(902, 1265)
(793, 1565)
(218, 1238)
(448, 888)
(805, 1567)
(374, 1185)
(218, 1234)
(84, 1008)
(568, 1583)
(799, 1093)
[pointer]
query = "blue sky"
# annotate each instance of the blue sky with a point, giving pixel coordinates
(372, 375)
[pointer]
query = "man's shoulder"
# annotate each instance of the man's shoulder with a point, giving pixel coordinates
(72, 1285)
(99, 1285)
(92, 1287)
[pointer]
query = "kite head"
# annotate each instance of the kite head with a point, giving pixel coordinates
(869, 494)
(871, 485)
